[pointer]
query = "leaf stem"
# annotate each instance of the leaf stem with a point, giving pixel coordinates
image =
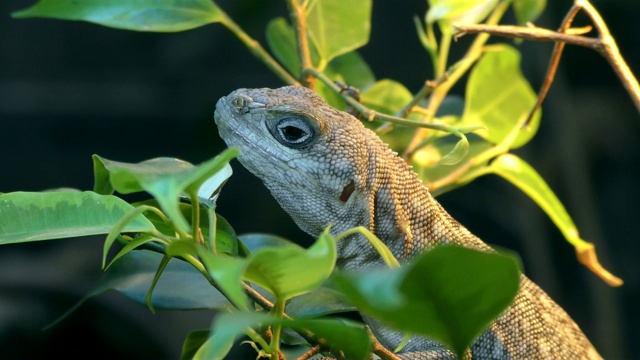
(299, 20)
(257, 50)
(473, 53)
(372, 114)
(278, 310)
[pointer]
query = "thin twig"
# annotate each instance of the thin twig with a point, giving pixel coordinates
(604, 44)
(372, 114)
(472, 54)
(299, 20)
(257, 50)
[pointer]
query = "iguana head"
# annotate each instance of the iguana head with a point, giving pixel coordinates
(312, 157)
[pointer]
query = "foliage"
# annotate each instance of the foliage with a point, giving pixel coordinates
(265, 281)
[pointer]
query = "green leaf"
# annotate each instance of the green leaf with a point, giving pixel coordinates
(282, 42)
(500, 98)
(318, 302)
(181, 286)
(338, 26)
(456, 155)
(255, 241)
(353, 70)
(33, 216)
(528, 10)
(455, 292)
(226, 239)
(192, 343)
(345, 335)
(290, 270)
(446, 12)
(519, 173)
(386, 96)
(425, 159)
(227, 327)
(138, 15)
(227, 272)
(164, 178)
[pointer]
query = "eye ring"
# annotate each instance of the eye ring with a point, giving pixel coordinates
(293, 132)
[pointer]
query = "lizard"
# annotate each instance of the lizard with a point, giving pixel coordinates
(325, 167)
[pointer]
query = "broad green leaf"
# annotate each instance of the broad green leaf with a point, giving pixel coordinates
(164, 178)
(33, 216)
(320, 301)
(338, 26)
(255, 241)
(227, 327)
(226, 239)
(192, 343)
(425, 159)
(528, 10)
(288, 271)
(353, 70)
(522, 175)
(500, 98)
(181, 286)
(345, 335)
(446, 12)
(351, 338)
(519, 173)
(138, 15)
(455, 292)
(227, 272)
(282, 42)
(386, 96)
(456, 155)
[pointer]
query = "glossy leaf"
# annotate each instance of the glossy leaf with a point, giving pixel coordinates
(446, 12)
(353, 70)
(351, 338)
(519, 173)
(456, 155)
(139, 15)
(227, 272)
(455, 292)
(33, 216)
(282, 42)
(500, 98)
(522, 175)
(425, 159)
(320, 301)
(255, 241)
(386, 96)
(164, 178)
(528, 10)
(338, 26)
(288, 271)
(226, 239)
(181, 286)
(192, 343)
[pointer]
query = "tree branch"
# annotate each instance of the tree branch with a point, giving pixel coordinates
(604, 44)
(299, 20)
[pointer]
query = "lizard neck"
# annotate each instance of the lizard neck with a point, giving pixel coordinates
(402, 214)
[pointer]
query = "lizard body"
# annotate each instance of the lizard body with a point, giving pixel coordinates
(324, 167)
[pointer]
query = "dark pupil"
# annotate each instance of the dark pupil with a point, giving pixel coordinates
(292, 132)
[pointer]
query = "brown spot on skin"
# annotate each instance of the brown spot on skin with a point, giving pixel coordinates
(347, 191)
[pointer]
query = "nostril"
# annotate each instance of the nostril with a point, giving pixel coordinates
(240, 103)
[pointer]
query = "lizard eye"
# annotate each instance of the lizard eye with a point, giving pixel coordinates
(293, 132)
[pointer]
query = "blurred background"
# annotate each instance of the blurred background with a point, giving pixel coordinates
(72, 89)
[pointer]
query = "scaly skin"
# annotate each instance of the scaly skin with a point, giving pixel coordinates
(324, 167)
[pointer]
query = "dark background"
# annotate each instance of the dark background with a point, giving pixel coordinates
(72, 89)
